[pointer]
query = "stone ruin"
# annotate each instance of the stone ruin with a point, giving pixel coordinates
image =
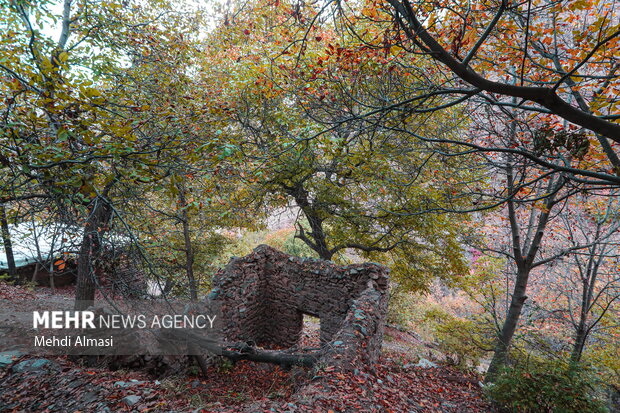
(264, 296)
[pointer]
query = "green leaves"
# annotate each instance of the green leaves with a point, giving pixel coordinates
(227, 150)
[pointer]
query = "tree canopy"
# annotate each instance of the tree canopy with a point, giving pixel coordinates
(470, 146)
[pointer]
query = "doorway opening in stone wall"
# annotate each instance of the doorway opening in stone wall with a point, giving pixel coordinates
(310, 332)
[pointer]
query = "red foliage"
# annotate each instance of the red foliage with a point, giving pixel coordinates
(392, 388)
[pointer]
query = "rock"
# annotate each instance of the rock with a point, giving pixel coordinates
(8, 357)
(88, 397)
(131, 400)
(35, 365)
(125, 384)
(426, 364)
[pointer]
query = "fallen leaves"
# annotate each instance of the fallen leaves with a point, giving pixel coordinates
(393, 387)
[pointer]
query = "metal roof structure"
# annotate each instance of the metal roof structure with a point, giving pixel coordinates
(34, 242)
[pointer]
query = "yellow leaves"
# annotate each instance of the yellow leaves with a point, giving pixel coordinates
(15, 85)
(87, 139)
(46, 64)
(541, 207)
(92, 94)
(469, 39)
(576, 79)
(431, 21)
(63, 134)
(579, 5)
(89, 92)
(395, 50)
(370, 12)
(128, 135)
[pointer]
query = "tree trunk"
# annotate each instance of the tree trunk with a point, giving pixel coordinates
(318, 235)
(35, 272)
(96, 225)
(510, 325)
(282, 358)
(581, 333)
(51, 276)
(580, 342)
(8, 246)
(189, 267)
(189, 251)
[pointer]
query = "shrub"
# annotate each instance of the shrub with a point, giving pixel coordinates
(545, 387)
(461, 340)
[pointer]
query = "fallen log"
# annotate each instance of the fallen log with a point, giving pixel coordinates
(284, 358)
(241, 351)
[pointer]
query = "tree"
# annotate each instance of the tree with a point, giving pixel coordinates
(586, 286)
(361, 188)
(532, 197)
(562, 74)
(570, 290)
(526, 243)
(71, 130)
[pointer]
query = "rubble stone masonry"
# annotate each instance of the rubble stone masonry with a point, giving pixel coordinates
(264, 295)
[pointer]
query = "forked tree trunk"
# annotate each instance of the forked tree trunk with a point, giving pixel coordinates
(524, 254)
(316, 239)
(587, 297)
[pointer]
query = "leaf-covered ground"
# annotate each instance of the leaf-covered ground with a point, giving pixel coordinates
(396, 385)
(247, 385)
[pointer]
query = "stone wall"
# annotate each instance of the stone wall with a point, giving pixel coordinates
(264, 296)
